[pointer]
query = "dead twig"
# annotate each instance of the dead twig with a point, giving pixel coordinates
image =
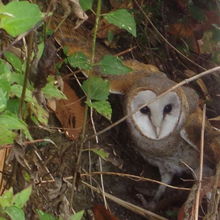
(135, 178)
(100, 160)
(197, 202)
(164, 39)
(130, 176)
(143, 212)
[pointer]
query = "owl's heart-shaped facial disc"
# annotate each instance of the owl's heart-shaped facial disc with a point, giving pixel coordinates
(158, 119)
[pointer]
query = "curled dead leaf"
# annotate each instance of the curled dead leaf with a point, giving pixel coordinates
(181, 30)
(70, 112)
(101, 213)
(51, 103)
(4, 152)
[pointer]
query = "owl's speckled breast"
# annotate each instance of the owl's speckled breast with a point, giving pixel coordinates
(171, 153)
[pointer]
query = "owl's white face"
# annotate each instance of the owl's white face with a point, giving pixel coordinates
(160, 118)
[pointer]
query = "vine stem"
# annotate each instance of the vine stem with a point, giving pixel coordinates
(98, 15)
(197, 198)
(27, 70)
(83, 139)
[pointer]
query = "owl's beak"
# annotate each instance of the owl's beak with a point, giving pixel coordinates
(157, 132)
(157, 122)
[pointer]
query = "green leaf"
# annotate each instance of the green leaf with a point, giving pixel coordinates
(3, 100)
(112, 65)
(66, 51)
(49, 31)
(86, 4)
(24, 16)
(5, 68)
(13, 105)
(12, 122)
(44, 216)
(37, 110)
(40, 50)
(79, 60)
(110, 36)
(26, 176)
(96, 88)
(15, 213)
(17, 78)
(14, 61)
(216, 57)
(196, 13)
(6, 136)
(102, 107)
(6, 198)
(16, 90)
(5, 14)
(77, 216)
(39, 113)
(100, 152)
(216, 33)
(51, 91)
(123, 19)
(21, 198)
(4, 85)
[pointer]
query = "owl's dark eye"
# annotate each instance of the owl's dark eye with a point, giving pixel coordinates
(145, 110)
(167, 109)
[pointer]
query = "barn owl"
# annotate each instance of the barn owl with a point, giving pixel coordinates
(162, 130)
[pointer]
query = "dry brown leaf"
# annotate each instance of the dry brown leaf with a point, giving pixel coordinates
(186, 31)
(181, 30)
(101, 213)
(119, 84)
(70, 112)
(79, 13)
(4, 152)
(51, 103)
(122, 4)
(79, 40)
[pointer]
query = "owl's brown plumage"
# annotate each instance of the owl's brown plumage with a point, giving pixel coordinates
(158, 130)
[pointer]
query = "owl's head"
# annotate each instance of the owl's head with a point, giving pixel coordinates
(162, 117)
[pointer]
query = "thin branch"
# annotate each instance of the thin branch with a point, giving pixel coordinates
(136, 209)
(98, 15)
(130, 176)
(27, 72)
(200, 165)
(100, 160)
(135, 178)
(165, 40)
